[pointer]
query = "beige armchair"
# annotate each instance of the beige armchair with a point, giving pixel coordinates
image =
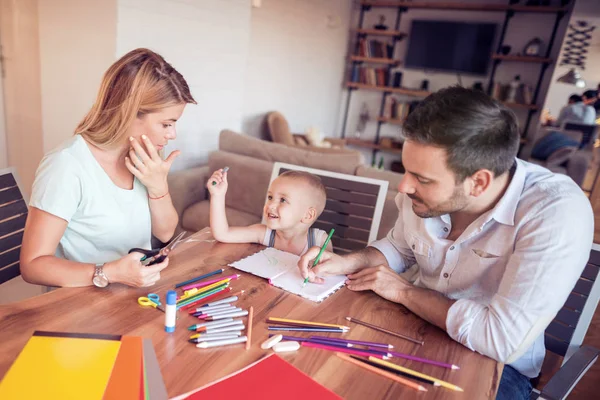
(279, 130)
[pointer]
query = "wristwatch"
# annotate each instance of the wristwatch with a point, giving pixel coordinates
(99, 279)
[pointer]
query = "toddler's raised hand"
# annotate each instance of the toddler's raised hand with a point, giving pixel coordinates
(217, 184)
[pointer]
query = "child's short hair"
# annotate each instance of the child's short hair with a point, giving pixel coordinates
(317, 187)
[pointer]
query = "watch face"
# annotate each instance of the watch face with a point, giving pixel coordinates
(100, 280)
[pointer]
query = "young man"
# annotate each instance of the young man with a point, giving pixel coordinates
(577, 111)
(499, 242)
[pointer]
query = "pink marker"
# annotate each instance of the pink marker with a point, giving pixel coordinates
(201, 284)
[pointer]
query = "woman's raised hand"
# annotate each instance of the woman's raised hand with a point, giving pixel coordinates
(148, 166)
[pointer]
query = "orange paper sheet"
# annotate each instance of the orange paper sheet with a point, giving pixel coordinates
(125, 382)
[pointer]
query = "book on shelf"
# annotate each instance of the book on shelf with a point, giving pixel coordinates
(370, 76)
(375, 49)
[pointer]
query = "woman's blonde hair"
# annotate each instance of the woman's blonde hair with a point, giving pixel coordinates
(139, 83)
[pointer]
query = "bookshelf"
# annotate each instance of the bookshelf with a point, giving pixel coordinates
(386, 86)
(459, 6)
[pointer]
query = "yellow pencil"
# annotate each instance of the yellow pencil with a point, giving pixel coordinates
(295, 321)
(437, 382)
(204, 289)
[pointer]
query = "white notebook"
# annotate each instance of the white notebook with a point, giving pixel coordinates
(281, 269)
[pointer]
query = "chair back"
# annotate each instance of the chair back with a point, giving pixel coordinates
(13, 213)
(565, 333)
(588, 132)
(354, 206)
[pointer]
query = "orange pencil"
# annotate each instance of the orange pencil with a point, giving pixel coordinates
(249, 329)
(381, 372)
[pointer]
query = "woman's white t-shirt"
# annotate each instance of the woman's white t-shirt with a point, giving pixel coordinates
(104, 220)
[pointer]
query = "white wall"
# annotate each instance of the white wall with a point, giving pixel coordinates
(77, 44)
(296, 63)
(207, 42)
(558, 94)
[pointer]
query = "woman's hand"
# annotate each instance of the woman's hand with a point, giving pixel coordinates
(130, 271)
(149, 167)
(217, 184)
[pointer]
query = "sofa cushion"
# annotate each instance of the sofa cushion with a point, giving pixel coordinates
(196, 217)
(248, 180)
(345, 162)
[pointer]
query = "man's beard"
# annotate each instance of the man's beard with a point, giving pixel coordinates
(455, 203)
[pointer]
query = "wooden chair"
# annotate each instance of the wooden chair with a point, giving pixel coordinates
(13, 213)
(566, 332)
(354, 206)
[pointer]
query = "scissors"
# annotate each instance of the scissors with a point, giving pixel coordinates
(154, 256)
(152, 300)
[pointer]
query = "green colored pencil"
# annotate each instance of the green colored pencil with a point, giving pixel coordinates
(320, 253)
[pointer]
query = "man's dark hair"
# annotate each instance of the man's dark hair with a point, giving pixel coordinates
(575, 98)
(476, 131)
(590, 94)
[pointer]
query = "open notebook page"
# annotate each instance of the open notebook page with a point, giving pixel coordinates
(281, 269)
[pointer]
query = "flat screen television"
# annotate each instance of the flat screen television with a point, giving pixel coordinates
(450, 46)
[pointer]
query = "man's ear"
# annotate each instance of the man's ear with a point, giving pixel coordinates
(310, 215)
(480, 182)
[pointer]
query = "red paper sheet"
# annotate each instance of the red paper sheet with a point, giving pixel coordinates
(270, 378)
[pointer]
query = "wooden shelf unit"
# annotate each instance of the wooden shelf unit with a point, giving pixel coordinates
(379, 32)
(408, 92)
(393, 121)
(458, 6)
(525, 59)
(368, 144)
(375, 60)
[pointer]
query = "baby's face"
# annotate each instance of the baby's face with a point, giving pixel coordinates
(288, 200)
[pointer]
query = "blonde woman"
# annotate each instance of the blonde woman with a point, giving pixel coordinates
(104, 191)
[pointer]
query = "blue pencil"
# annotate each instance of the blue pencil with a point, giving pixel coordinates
(219, 271)
(288, 329)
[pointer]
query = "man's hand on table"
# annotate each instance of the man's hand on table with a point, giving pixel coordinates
(382, 280)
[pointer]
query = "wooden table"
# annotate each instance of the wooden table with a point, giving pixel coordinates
(114, 310)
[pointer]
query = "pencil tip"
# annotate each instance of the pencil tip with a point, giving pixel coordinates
(422, 389)
(390, 346)
(349, 319)
(455, 367)
(458, 389)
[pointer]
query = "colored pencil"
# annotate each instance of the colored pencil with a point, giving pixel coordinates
(208, 314)
(230, 299)
(224, 342)
(214, 309)
(437, 382)
(212, 296)
(196, 292)
(202, 284)
(393, 371)
(320, 253)
(381, 372)
(423, 360)
(298, 329)
(220, 312)
(303, 339)
(213, 324)
(377, 328)
(220, 329)
(358, 342)
(285, 321)
(209, 338)
(219, 271)
(249, 329)
(202, 296)
(229, 315)
(202, 293)
(356, 352)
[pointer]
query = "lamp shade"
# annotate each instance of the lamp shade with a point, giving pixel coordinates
(572, 78)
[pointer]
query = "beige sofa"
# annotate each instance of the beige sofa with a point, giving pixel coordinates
(250, 162)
